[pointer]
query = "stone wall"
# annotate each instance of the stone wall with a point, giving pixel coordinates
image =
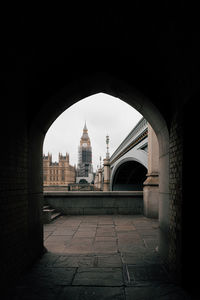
(87, 203)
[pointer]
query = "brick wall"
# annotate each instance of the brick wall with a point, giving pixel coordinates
(13, 194)
(175, 187)
(15, 216)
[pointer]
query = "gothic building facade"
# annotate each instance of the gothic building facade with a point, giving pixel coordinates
(59, 173)
(85, 169)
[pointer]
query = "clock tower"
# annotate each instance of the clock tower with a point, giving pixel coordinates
(84, 170)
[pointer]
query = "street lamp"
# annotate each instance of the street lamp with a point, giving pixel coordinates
(107, 143)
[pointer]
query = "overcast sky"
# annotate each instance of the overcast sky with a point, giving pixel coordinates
(103, 114)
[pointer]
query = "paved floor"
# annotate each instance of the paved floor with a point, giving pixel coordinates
(99, 257)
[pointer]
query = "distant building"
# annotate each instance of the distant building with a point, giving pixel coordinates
(85, 169)
(59, 173)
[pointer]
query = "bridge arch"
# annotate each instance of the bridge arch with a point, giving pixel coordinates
(79, 89)
(129, 175)
(140, 160)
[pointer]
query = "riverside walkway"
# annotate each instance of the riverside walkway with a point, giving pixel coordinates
(99, 257)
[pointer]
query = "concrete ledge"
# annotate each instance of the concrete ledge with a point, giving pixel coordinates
(88, 203)
(93, 193)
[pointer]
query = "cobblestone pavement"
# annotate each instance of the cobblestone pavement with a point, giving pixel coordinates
(99, 257)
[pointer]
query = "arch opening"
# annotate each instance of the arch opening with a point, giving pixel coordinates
(130, 176)
(83, 181)
(112, 86)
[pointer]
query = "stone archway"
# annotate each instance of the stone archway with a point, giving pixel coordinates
(87, 86)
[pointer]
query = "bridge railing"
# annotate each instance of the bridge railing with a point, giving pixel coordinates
(135, 132)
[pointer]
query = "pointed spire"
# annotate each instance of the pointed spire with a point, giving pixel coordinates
(85, 138)
(85, 127)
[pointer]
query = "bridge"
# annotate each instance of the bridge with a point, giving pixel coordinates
(134, 167)
(129, 163)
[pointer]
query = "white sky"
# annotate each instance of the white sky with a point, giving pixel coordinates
(103, 114)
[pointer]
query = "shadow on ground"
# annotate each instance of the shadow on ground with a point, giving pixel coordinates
(99, 257)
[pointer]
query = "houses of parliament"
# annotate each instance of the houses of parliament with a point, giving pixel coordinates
(63, 174)
(59, 173)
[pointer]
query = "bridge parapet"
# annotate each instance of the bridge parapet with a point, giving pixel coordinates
(138, 133)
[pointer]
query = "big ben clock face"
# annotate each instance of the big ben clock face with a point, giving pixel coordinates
(84, 144)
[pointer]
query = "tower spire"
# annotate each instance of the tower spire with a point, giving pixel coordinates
(85, 127)
(85, 140)
(85, 156)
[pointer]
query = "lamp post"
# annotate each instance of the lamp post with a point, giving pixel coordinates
(107, 146)
(106, 162)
